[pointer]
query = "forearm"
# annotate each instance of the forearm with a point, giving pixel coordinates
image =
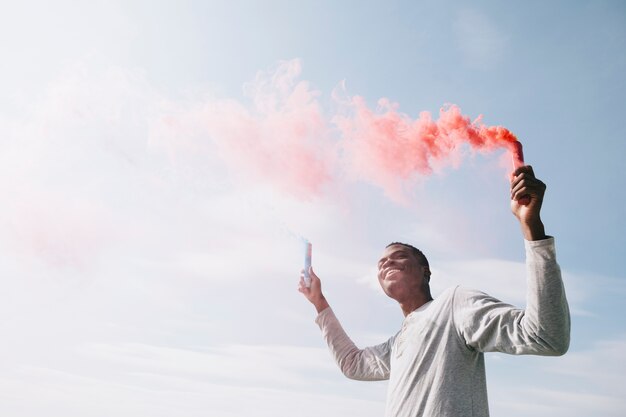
(547, 311)
(363, 364)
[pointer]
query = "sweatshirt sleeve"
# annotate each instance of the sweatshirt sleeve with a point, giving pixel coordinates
(543, 328)
(369, 364)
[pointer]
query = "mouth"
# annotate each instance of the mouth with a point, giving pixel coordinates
(390, 272)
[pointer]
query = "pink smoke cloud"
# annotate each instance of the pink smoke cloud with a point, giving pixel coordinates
(61, 233)
(388, 148)
(284, 138)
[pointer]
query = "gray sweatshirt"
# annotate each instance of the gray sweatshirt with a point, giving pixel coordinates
(435, 363)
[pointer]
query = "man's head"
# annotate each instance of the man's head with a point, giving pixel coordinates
(403, 272)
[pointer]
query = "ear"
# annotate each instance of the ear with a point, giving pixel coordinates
(427, 274)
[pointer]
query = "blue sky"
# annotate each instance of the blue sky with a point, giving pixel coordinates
(142, 275)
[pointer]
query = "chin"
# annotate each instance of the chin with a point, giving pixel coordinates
(392, 291)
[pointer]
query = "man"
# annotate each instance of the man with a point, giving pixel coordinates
(435, 364)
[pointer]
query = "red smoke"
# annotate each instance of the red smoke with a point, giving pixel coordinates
(284, 138)
(388, 147)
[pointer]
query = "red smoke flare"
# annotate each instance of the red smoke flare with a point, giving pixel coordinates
(517, 153)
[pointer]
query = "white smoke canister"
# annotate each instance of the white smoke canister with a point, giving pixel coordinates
(308, 250)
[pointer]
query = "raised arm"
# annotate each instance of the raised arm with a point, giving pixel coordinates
(543, 328)
(369, 364)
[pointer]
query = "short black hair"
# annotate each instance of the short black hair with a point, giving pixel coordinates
(416, 252)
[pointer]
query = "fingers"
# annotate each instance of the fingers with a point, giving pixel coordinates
(527, 187)
(522, 173)
(525, 184)
(527, 169)
(315, 282)
(301, 282)
(302, 287)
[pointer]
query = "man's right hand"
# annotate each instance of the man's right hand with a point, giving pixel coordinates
(314, 292)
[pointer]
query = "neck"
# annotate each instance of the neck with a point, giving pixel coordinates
(413, 304)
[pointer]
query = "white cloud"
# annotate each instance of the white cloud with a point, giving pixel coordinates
(579, 384)
(602, 367)
(549, 402)
(147, 380)
(243, 365)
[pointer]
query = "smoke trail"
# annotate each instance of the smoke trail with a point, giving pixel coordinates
(387, 148)
(283, 137)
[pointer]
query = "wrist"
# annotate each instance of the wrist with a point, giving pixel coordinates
(533, 230)
(320, 304)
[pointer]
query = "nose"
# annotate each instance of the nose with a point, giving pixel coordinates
(386, 263)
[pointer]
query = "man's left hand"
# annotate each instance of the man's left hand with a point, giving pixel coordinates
(529, 189)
